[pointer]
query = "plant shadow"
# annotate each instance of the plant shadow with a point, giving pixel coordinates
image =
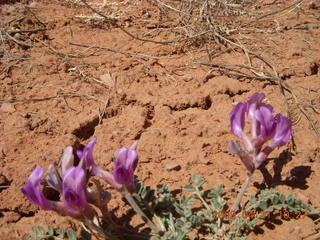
(297, 178)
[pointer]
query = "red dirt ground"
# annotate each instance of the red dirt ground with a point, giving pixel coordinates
(175, 109)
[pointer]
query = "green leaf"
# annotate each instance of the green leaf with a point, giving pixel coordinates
(290, 199)
(282, 198)
(263, 205)
(199, 181)
(252, 199)
(189, 188)
(275, 199)
(71, 234)
(34, 229)
(61, 233)
(50, 230)
(41, 230)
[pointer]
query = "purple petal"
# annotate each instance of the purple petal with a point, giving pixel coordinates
(282, 131)
(237, 119)
(267, 124)
(108, 177)
(79, 153)
(87, 153)
(253, 101)
(73, 192)
(67, 159)
(122, 175)
(32, 189)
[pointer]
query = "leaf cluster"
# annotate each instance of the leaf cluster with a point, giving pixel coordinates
(40, 233)
(179, 216)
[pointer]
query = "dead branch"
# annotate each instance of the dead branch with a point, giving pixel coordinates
(119, 51)
(281, 10)
(21, 43)
(49, 98)
(55, 51)
(22, 31)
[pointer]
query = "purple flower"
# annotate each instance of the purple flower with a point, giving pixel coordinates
(237, 119)
(73, 192)
(125, 164)
(282, 132)
(32, 189)
(264, 127)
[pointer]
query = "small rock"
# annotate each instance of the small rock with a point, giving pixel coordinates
(187, 78)
(7, 107)
(33, 125)
(173, 166)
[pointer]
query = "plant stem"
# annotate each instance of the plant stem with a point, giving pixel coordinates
(202, 200)
(97, 231)
(242, 192)
(137, 209)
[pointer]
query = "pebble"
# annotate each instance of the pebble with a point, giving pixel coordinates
(173, 166)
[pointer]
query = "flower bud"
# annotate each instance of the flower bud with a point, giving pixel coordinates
(125, 164)
(282, 131)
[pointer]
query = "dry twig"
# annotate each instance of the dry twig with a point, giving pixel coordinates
(48, 98)
(119, 51)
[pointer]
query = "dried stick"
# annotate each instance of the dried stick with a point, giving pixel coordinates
(119, 51)
(281, 10)
(23, 31)
(48, 98)
(21, 43)
(61, 54)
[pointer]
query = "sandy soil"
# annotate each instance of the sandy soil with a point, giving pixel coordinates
(55, 94)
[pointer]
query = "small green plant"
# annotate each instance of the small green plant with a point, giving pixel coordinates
(205, 212)
(40, 233)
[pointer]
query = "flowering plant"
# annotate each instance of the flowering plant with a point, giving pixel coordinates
(267, 133)
(71, 182)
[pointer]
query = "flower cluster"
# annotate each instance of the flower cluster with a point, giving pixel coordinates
(71, 181)
(267, 131)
